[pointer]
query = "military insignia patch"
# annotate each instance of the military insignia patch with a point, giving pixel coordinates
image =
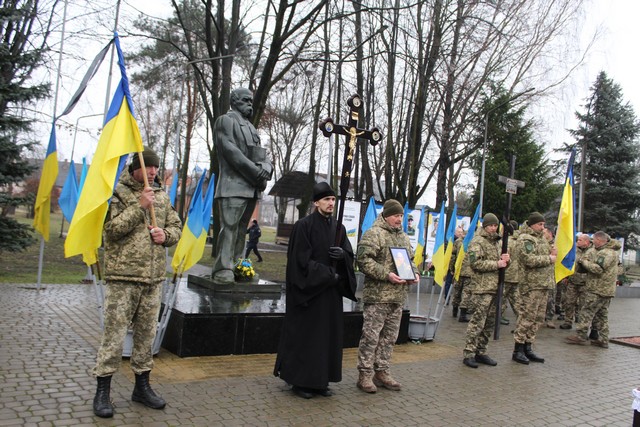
(472, 256)
(528, 246)
(361, 250)
(600, 261)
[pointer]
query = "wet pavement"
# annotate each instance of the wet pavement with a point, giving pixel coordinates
(48, 340)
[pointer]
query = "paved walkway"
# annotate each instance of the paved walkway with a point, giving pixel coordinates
(48, 340)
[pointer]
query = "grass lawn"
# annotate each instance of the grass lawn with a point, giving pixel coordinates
(22, 267)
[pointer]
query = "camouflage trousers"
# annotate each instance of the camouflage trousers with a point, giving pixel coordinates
(481, 324)
(510, 294)
(464, 290)
(128, 304)
(379, 333)
(594, 312)
(573, 300)
(551, 304)
(533, 304)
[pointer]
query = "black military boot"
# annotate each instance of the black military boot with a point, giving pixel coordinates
(464, 318)
(518, 354)
(143, 393)
(102, 401)
(531, 355)
(455, 311)
(594, 335)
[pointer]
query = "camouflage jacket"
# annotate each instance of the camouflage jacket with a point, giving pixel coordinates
(602, 268)
(129, 253)
(537, 269)
(375, 261)
(484, 254)
(454, 254)
(579, 277)
(513, 272)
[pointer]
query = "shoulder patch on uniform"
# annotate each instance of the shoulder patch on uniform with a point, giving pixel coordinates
(361, 249)
(600, 261)
(528, 247)
(472, 256)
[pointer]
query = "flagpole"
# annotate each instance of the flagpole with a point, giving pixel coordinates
(55, 105)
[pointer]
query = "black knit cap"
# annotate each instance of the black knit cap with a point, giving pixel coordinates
(392, 207)
(490, 219)
(150, 159)
(322, 190)
(535, 218)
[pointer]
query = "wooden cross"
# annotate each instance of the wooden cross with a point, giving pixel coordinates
(351, 132)
(511, 188)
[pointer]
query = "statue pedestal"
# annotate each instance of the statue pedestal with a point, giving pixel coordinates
(255, 286)
(211, 321)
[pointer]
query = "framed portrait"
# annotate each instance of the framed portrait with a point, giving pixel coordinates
(402, 263)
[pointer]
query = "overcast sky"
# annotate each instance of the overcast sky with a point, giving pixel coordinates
(614, 20)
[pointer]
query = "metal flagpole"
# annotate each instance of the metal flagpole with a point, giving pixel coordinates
(98, 283)
(55, 105)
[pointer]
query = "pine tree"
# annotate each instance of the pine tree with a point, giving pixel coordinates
(509, 134)
(608, 134)
(18, 59)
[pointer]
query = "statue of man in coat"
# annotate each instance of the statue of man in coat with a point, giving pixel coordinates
(243, 174)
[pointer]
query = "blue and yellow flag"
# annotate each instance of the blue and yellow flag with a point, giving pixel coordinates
(451, 236)
(405, 217)
(370, 216)
(69, 194)
(173, 192)
(465, 243)
(120, 136)
(439, 262)
(83, 175)
(566, 234)
(47, 181)
(418, 257)
(183, 256)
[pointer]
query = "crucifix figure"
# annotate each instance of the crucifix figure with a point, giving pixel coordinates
(352, 132)
(512, 186)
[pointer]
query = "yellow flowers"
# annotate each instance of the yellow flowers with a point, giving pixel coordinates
(243, 270)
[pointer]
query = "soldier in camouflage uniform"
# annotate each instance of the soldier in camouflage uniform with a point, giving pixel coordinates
(536, 257)
(574, 291)
(601, 263)
(457, 289)
(485, 260)
(383, 296)
(551, 296)
(135, 267)
(511, 275)
(466, 286)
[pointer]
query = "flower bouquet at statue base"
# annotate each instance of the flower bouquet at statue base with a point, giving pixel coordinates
(243, 271)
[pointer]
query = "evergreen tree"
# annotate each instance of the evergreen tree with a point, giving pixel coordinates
(608, 134)
(18, 59)
(509, 134)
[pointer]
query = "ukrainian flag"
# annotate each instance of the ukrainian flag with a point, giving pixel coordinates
(369, 216)
(451, 236)
(47, 181)
(184, 257)
(120, 136)
(418, 258)
(438, 260)
(69, 195)
(465, 243)
(566, 234)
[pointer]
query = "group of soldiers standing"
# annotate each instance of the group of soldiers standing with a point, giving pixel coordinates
(529, 287)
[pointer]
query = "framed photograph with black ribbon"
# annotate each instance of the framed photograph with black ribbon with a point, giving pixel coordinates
(402, 263)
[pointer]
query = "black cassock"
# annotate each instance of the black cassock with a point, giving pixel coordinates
(310, 349)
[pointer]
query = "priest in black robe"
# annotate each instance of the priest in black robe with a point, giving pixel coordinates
(319, 275)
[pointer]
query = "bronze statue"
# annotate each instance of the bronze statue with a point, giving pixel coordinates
(243, 174)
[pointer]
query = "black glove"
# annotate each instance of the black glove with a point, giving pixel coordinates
(336, 253)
